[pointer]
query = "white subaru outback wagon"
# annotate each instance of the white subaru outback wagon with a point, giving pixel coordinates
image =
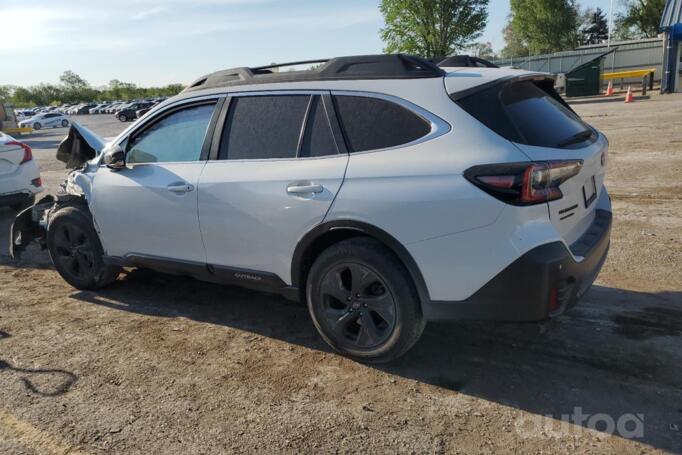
(384, 190)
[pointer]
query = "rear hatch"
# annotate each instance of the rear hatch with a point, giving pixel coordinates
(525, 109)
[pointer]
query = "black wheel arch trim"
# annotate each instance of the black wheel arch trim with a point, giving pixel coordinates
(298, 264)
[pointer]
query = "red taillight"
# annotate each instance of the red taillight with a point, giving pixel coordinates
(524, 183)
(28, 153)
(37, 182)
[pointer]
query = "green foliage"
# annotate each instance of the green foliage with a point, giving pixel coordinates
(641, 19)
(432, 28)
(481, 50)
(595, 27)
(514, 45)
(544, 26)
(73, 90)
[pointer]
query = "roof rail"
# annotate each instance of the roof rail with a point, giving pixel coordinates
(385, 66)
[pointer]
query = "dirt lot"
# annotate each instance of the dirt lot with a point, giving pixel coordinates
(157, 364)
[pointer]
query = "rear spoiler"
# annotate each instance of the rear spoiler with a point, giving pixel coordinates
(544, 81)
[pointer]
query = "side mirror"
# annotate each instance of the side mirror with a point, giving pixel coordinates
(115, 158)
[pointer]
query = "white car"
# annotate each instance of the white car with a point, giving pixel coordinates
(19, 174)
(46, 120)
(383, 190)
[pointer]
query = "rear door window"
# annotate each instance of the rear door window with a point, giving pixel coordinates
(318, 139)
(374, 123)
(263, 127)
(526, 113)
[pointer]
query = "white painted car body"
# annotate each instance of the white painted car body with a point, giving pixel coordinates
(239, 214)
(16, 178)
(46, 120)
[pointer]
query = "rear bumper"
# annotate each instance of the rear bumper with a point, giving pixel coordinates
(542, 283)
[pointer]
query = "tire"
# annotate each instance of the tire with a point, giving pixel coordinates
(37, 126)
(363, 302)
(76, 251)
(65, 123)
(26, 203)
(123, 118)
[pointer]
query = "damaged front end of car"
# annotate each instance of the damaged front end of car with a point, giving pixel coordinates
(76, 150)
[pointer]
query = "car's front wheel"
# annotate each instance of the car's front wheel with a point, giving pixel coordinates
(65, 123)
(362, 301)
(123, 118)
(37, 126)
(76, 251)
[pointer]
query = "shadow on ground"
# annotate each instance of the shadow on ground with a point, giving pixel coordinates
(617, 353)
(46, 382)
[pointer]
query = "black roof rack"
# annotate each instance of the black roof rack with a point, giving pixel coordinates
(466, 61)
(385, 66)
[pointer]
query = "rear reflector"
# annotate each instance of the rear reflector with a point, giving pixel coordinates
(37, 182)
(28, 153)
(524, 183)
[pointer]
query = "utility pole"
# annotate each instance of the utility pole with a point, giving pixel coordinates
(608, 40)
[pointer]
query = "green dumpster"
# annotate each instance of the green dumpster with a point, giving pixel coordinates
(584, 80)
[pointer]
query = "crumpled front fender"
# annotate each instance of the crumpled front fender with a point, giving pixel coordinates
(27, 227)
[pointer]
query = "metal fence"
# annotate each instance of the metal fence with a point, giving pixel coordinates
(628, 55)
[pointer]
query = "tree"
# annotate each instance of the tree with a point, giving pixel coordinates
(514, 45)
(595, 28)
(481, 50)
(432, 28)
(641, 19)
(72, 80)
(544, 26)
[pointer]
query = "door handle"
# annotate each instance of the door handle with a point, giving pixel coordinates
(180, 187)
(304, 188)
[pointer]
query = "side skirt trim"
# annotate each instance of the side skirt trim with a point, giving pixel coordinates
(234, 276)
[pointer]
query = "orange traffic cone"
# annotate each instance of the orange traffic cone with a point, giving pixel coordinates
(609, 89)
(628, 97)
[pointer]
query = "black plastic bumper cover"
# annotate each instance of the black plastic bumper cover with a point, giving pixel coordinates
(522, 291)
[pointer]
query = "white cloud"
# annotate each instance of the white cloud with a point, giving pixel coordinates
(148, 13)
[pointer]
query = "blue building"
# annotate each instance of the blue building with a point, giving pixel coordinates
(671, 26)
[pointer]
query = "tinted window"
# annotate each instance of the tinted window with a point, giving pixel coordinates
(177, 137)
(541, 120)
(526, 113)
(260, 127)
(319, 138)
(373, 123)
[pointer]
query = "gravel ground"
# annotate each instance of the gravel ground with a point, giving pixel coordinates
(159, 364)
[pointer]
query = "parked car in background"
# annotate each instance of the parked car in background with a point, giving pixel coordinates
(129, 113)
(85, 109)
(143, 111)
(46, 120)
(19, 174)
(97, 109)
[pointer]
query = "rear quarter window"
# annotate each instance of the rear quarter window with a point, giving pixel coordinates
(374, 123)
(526, 113)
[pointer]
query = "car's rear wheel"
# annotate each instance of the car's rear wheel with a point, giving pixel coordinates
(37, 126)
(76, 251)
(123, 117)
(65, 123)
(363, 302)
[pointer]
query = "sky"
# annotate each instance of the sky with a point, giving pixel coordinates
(157, 42)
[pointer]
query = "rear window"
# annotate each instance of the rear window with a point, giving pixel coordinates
(525, 113)
(374, 123)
